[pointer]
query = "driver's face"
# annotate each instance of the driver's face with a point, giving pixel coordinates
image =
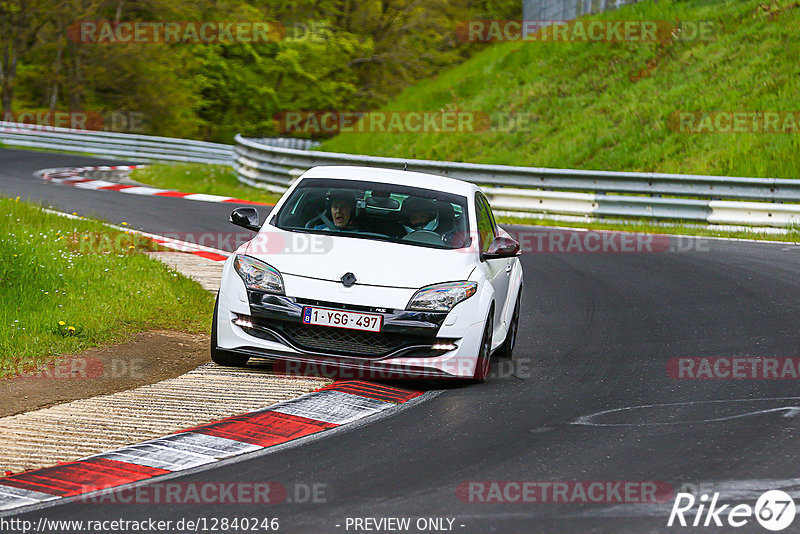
(341, 213)
(418, 218)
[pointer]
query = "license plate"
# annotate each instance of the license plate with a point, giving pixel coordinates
(342, 319)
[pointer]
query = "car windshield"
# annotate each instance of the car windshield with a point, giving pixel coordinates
(369, 210)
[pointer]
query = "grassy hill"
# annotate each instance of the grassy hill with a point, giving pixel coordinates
(606, 105)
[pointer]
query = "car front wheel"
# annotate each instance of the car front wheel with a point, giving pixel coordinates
(483, 363)
(506, 350)
(220, 356)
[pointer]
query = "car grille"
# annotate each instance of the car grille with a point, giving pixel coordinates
(347, 342)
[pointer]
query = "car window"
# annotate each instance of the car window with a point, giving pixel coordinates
(383, 212)
(487, 229)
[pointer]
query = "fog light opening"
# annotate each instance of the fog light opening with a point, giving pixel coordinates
(244, 321)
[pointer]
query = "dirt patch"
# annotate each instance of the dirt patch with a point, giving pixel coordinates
(147, 358)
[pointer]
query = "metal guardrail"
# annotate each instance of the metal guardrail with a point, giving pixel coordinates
(710, 199)
(547, 12)
(559, 10)
(134, 146)
(274, 163)
(288, 142)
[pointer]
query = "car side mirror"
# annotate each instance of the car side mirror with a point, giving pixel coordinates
(246, 218)
(502, 246)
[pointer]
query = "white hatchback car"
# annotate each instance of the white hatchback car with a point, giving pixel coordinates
(375, 273)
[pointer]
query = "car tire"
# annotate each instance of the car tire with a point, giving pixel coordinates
(484, 361)
(506, 350)
(220, 356)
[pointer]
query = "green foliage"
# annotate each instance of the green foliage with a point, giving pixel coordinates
(245, 85)
(336, 55)
(601, 105)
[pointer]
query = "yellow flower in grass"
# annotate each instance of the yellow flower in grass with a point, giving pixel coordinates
(71, 328)
(61, 323)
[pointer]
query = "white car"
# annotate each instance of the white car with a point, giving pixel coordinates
(373, 272)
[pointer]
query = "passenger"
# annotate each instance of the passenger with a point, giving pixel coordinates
(419, 214)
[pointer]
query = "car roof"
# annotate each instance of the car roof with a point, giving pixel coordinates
(391, 176)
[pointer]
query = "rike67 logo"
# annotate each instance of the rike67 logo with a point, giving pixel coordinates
(774, 510)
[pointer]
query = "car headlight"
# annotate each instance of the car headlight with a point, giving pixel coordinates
(442, 297)
(258, 275)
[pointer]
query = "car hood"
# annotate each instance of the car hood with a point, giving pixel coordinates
(377, 263)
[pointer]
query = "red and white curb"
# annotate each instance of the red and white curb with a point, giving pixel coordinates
(189, 248)
(167, 242)
(336, 405)
(74, 177)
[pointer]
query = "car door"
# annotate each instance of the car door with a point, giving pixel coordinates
(498, 270)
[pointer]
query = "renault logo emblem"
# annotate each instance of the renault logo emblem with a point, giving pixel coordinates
(348, 279)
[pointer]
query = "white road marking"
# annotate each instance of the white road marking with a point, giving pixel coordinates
(16, 497)
(94, 184)
(206, 198)
(332, 407)
(159, 455)
(787, 411)
(209, 445)
(142, 190)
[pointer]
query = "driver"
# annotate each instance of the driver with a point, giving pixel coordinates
(419, 214)
(341, 210)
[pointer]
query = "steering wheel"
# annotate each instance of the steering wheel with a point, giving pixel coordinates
(322, 217)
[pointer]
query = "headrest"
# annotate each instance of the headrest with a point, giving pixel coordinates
(414, 204)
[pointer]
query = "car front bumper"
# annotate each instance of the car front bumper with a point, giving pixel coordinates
(410, 345)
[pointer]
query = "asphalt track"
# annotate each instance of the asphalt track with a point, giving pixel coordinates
(596, 334)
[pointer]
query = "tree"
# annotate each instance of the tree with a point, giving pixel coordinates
(20, 22)
(338, 55)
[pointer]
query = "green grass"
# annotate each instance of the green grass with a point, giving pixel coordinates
(49, 275)
(606, 105)
(645, 227)
(200, 178)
